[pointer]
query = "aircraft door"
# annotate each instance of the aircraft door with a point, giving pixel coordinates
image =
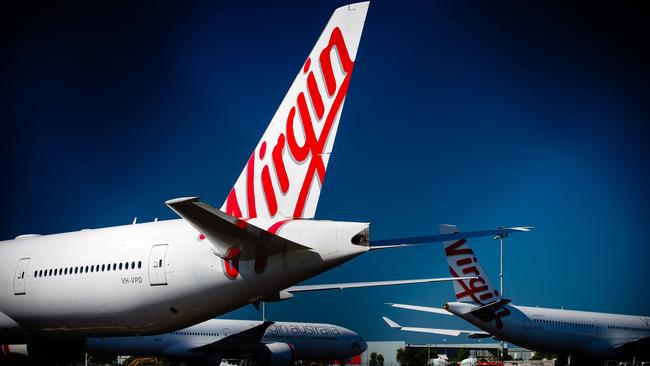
(19, 278)
(596, 324)
(157, 275)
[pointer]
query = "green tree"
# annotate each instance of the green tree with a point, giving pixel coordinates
(462, 354)
(413, 356)
(376, 359)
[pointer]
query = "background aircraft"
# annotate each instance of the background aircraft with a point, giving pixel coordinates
(269, 343)
(567, 332)
(533, 113)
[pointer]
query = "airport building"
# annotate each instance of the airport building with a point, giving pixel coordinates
(388, 349)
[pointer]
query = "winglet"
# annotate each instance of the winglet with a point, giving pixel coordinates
(391, 323)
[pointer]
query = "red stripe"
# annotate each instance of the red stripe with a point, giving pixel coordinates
(278, 163)
(232, 205)
(268, 191)
(314, 95)
(275, 227)
(250, 186)
(316, 164)
(5, 349)
(306, 66)
(336, 39)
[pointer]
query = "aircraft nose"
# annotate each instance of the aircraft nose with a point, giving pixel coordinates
(363, 344)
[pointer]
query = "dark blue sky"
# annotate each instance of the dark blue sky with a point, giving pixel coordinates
(479, 114)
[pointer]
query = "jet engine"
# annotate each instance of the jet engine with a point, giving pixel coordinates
(51, 353)
(278, 354)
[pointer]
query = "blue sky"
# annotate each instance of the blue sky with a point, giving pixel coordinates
(477, 114)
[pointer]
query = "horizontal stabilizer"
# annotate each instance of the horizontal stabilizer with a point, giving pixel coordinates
(397, 242)
(487, 312)
(341, 286)
(223, 230)
(426, 309)
(447, 332)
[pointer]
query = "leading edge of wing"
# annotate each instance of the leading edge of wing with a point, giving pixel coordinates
(342, 286)
(447, 332)
(415, 240)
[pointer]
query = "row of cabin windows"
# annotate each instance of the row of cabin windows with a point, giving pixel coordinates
(197, 334)
(548, 321)
(627, 328)
(92, 268)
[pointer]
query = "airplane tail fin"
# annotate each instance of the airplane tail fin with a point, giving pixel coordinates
(284, 174)
(463, 262)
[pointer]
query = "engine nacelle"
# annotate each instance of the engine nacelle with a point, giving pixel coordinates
(42, 353)
(278, 354)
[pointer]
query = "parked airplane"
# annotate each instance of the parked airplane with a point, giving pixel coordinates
(268, 343)
(56, 290)
(565, 332)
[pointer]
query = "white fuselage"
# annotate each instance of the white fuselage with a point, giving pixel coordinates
(148, 278)
(561, 331)
(310, 340)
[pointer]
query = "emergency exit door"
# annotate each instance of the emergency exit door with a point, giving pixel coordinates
(157, 265)
(19, 278)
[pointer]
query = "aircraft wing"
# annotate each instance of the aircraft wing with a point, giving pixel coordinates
(244, 341)
(341, 286)
(636, 346)
(415, 240)
(422, 308)
(447, 332)
(223, 229)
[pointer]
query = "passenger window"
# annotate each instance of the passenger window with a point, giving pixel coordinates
(50, 274)
(139, 264)
(114, 266)
(120, 266)
(160, 263)
(132, 265)
(103, 266)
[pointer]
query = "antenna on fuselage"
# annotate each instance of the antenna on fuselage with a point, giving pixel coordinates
(135, 220)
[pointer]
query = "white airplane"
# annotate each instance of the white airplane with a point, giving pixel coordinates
(56, 290)
(268, 343)
(565, 332)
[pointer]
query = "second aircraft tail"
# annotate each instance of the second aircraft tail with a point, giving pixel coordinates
(462, 263)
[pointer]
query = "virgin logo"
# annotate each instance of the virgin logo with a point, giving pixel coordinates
(476, 289)
(309, 101)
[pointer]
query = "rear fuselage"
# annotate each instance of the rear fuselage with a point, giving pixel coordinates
(148, 278)
(562, 331)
